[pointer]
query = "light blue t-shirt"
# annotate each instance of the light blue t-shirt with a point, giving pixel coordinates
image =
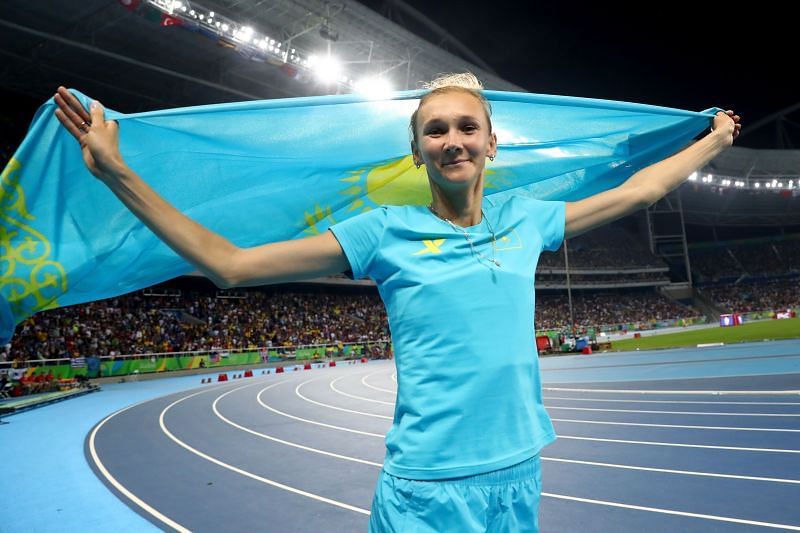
(469, 396)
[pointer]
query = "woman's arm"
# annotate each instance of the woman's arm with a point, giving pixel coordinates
(226, 264)
(651, 183)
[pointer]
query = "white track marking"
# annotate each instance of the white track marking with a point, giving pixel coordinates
(281, 441)
(670, 471)
(665, 412)
(684, 392)
(297, 392)
(671, 512)
(245, 472)
(394, 377)
(554, 459)
(362, 398)
(677, 444)
(330, 426)
(662, 510)
(590, 463)
(119, 486)
(637, 424)
(364, 382)
(674, 426)
(547, 398)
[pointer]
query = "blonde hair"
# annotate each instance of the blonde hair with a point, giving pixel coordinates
(464, 82)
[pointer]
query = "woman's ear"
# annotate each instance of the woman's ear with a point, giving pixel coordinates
(415, 155)
(493, 144)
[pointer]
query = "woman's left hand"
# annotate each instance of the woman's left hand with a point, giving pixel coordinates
(727, 123)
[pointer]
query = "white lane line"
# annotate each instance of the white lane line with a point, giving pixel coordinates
(553, 459)
(394, 377)
(683, 392)
(119, 486)
(674, 426)
(364, 382)
(337, 391)
(560, 436)
(670, 471)
(245, 472)
(590, 463)
(661, 510)
(664, 412)
(608, 423)
(547, 398)
(281, 441)
(678, 445)
(671, 512)
(299, 394)
(329, 426)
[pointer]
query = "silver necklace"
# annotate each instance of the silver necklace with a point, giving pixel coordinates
(466, 235)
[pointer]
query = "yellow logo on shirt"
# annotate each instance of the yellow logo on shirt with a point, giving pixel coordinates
(432, 246)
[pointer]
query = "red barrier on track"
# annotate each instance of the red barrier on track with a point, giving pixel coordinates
(363, 359)
(332, 363)
(307, 366)
(222, 377)
(279, 370)
(587, 350)
(248, 373)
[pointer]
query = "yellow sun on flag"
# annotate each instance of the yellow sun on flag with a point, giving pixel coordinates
(393, 182)
(397, 182)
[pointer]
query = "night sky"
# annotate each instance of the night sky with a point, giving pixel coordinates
(689, 56)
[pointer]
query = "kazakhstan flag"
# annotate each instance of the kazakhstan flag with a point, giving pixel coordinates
(265, 171)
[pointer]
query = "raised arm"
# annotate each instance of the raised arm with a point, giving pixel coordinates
(647, 186)
(226, 264)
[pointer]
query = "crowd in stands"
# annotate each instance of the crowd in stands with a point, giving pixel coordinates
(195, 321)
(751, 260)
(604, 248)
(749, 297)
(191, 321)
(606, 308)
(544, 280)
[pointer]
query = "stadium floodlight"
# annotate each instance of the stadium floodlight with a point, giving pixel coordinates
(757, 185)
(252, 44)
(374, 88)
(693, 176)
(327, 68)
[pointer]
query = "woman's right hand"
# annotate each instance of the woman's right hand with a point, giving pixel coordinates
(99, 138)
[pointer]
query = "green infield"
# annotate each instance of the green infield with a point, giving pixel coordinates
(755, 331)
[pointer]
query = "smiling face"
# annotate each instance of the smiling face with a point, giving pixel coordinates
(453, 138)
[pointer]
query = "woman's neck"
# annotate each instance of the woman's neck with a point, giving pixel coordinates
(461, 209)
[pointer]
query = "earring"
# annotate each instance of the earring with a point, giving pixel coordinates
(491, 158)
(417, 164)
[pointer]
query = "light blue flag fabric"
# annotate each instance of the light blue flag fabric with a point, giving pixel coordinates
(265, 171)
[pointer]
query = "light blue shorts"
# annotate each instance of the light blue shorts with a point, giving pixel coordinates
(502, 501)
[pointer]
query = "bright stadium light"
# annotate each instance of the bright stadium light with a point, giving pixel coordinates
(327, 69)
(693, 176)
(757, 185)
(373, 88)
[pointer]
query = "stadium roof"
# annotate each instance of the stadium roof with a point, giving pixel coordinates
(139, 58)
